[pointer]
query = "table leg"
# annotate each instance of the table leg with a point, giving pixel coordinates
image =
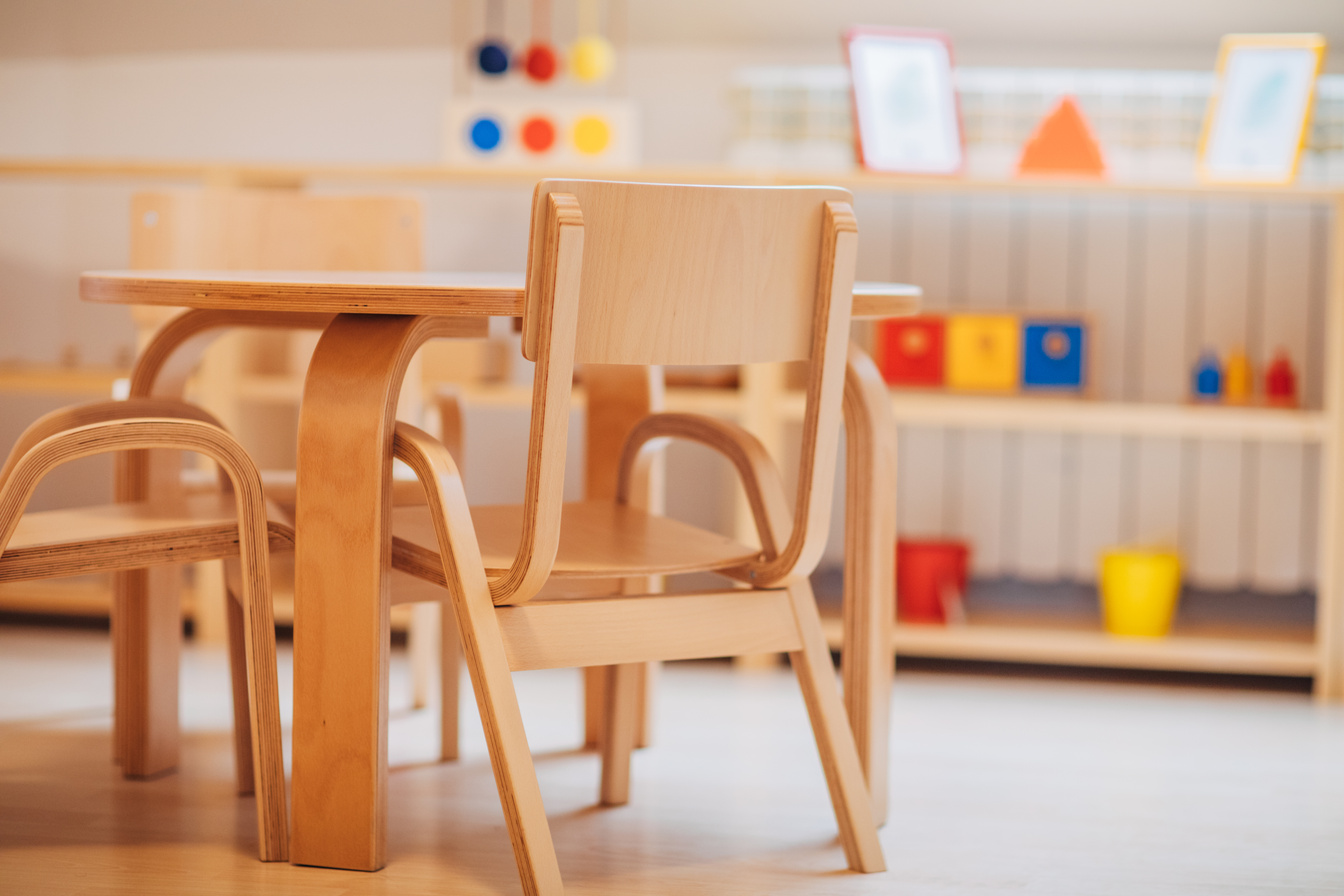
(147, 645)
(618, 397)
(867, 658)
(341, 585)
(146, 634)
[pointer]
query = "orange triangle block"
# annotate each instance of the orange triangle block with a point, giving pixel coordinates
(1063, 144)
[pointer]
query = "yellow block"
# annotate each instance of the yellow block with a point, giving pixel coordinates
(984, 352)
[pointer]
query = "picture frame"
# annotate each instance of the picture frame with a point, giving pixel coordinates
(1256, 124)
(906, 116)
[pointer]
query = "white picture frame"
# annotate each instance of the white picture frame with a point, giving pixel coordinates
(1256, 125)
(906, 117)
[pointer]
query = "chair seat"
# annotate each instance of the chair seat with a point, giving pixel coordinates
(598, 539)
(54, 543)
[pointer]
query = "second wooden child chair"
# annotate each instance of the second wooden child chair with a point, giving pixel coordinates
(653, 274)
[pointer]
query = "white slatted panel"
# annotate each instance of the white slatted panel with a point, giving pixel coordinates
(1049, 243)
(1100, 509)
(978, 514)
(920, 474)
(1157, 493)
(1214, 536)
(1280, 526)
(1224, 260)
(1159, 351)
(919, 481)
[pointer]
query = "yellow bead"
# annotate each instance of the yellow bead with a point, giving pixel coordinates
(592, 58)
(591, 135)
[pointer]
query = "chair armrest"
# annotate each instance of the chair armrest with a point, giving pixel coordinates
(67, 418)
(118, 426)
(459, 551)
(755, 468)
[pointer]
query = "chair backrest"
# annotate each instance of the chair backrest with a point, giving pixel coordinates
(260, 230)
(693, 274)
(674, 274)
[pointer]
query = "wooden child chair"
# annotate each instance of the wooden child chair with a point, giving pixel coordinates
(652, 274)
(228, 523)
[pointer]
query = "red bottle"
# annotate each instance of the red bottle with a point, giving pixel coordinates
(1281, 382)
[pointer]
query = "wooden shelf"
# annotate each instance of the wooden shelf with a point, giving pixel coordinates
(1092, 417)
(1249, 653)
(48, 379)
(223, 172)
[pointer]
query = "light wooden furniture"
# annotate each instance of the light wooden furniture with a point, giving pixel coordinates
(155, 524)
(349, 831)
(241, 229)
(651, 274)
(1144, 249)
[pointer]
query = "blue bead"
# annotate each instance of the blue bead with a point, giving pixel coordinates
(493, 59)
(485, 134)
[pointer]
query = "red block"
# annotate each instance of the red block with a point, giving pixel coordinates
(911, 351)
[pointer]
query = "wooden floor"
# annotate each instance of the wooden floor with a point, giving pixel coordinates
(999, 785)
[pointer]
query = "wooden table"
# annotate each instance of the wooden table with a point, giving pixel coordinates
(341, 638)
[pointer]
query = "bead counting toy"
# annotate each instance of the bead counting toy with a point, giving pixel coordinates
(508, 111)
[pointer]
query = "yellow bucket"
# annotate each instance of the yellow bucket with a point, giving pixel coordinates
(1139, 589)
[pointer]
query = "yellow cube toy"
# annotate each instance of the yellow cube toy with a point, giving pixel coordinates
(984, 352)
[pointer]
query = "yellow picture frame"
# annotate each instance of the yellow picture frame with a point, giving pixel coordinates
(1256, 124)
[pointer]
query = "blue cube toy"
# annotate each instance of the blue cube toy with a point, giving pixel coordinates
(1054, 354)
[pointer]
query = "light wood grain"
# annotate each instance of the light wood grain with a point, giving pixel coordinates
(341, 669)
(318, 292)
(867, 655)
(642, 307)
(141, 535)
(580, 279)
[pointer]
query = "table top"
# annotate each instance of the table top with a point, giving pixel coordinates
(362, 292)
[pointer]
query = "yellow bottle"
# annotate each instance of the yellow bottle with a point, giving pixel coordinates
(1237, 378)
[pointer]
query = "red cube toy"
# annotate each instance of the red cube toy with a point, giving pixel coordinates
(911, 351)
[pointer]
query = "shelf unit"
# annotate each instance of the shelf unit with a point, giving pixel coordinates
(766, 403)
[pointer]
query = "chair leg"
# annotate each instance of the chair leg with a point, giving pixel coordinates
(622, 717)
(268, 761)
(510, 755)
(835, 742)
(242, 712)
(421, 636)
(450, 677)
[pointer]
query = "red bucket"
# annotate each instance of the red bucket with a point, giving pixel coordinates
(930, 578)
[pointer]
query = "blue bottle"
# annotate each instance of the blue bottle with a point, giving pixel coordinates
(1207, 381)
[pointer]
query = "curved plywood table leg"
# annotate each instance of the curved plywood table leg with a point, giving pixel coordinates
(341, 593)
(868, 658)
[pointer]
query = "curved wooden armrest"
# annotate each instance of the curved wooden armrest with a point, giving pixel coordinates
(135, 425)
(63, 419)
(755, 468)
(438, 473)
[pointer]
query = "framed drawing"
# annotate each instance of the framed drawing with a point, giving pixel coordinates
(905, 105)
(1257, 120)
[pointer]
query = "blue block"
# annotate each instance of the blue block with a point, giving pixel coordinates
(1054, 354)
